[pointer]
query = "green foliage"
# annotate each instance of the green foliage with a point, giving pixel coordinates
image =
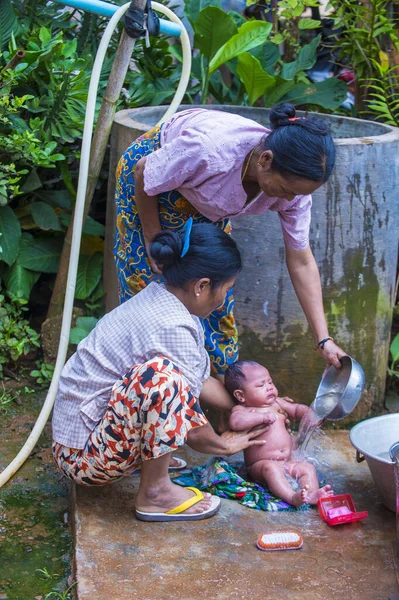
(393, 370)
(382, 99)
(83, 327)
(154, 78)
(8, 22)
(255, 79)
(6, 400)
(43, 373)
(288, 24)
(17, 338)
(258, 73)
(213, 29)
(366, 28)
(42, 109)
(89, 275)
(67, 595)
(248, 36)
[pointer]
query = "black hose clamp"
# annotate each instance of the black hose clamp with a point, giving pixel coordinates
(139, 23)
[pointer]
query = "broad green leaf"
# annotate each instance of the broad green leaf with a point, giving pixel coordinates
(213, 29)
(83, 327)
(45, 217)
(45, 35)
(305, 61)
(309, 24)
(256, 81)
(192, 8)
(279, 90)
(87, 323)
(394, 348)
(10, 233)
(328, 94)
(42, 255)
(31, 183)
(8, 22)
(249, 35)
(20, 281)
(90, 227)
(60, 198)
(267, 54)
(238, 18)
(97, 293)
(89, 274)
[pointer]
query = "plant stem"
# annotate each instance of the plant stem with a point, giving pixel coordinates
(372, 27)
(205, 80)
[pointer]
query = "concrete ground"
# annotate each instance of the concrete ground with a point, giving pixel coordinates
(120, 558)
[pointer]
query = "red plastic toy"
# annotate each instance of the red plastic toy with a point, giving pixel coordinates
(338, 510)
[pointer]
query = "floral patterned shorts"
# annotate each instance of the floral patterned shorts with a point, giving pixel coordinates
(150, 413)
(134, 271)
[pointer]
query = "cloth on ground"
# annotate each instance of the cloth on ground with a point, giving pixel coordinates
(229, 480)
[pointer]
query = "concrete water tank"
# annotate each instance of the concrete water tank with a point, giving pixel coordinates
(354, 237)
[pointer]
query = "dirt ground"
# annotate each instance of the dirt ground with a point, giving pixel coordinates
(35, 537)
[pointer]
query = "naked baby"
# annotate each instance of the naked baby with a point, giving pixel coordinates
(252, 386)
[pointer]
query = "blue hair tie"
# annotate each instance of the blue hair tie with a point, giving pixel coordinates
(187, 230)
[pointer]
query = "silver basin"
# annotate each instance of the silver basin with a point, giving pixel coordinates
(339, 390)
(372, 439)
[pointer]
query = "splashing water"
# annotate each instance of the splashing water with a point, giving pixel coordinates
(310, 423)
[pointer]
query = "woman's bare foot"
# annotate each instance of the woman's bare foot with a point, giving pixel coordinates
(166, 495)
(315, 495)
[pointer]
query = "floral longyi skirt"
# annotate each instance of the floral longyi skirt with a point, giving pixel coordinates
(150, 413)
(134, 271)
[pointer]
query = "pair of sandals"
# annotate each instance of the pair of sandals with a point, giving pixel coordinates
(178, 513)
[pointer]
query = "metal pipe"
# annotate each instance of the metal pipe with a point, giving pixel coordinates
(105, 9)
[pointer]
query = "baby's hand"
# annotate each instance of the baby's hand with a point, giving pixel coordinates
(287, 399)
(269, 418)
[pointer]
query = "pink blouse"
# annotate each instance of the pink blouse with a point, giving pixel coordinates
(201, 155)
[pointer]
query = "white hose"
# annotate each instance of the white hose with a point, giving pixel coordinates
(42, 419)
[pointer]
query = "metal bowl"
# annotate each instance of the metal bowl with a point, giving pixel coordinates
(339, 390)
(373, 439)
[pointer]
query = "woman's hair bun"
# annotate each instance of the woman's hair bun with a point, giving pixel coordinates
(166, 248)
(279, 115)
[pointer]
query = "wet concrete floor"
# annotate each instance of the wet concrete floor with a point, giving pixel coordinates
(120, 558)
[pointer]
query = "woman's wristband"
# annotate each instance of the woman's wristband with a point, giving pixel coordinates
(322, 343)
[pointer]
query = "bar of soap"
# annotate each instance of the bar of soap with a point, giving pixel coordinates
(338, 512)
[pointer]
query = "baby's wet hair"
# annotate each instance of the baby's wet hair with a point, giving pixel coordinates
(234, 377)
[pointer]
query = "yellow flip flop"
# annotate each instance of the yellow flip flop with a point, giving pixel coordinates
(177, 513)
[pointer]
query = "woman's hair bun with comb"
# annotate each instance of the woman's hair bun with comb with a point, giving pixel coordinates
(166, 248)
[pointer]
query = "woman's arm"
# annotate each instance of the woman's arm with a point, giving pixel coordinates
(204, 439)
(215, 394)
(305, 278)
(147, 207)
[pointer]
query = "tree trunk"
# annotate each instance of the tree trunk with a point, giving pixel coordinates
(99, 144)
